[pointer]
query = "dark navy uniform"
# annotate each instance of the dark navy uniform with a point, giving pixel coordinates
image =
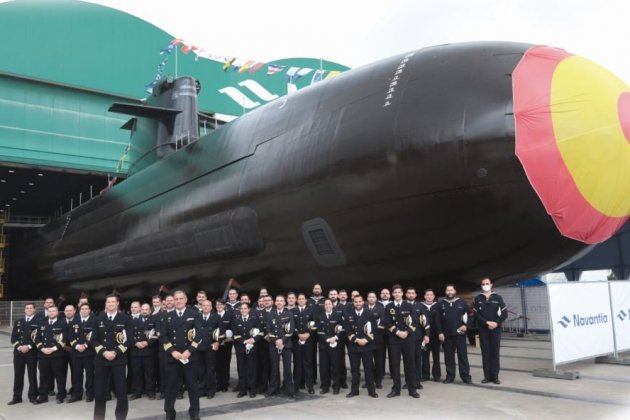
(433, 348)
(422, 320)
(207, 356)
(143, 360)
(181, 333)
(328, 326)
(490, 309)
(317, 304)
(341, 308)
(264, 366)
(23, 334)
(115, 334)
(51, 335)
(280, 326)
(80, 333)
(246, 357)
(378, 312)
(361, 325)
(450, 316)
(400, 318)
(303, 351)
(224, 355)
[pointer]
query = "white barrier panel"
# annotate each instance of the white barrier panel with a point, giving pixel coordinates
(620, 298)
(580, 320)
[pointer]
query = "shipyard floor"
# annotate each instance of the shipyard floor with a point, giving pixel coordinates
(602, 392)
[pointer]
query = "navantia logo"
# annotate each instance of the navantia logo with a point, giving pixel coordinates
(623, 315)
(583, 321)
(253, 88)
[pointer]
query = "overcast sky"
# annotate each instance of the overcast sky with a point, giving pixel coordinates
(355, 32)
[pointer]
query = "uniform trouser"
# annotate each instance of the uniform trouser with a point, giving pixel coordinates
(79, 366)
(379, 362)
(67, 367)
(51, 369)
(20, 364)
(161, 373)
(274, 357)
(173, 372)
(406, 350)
(102, 376)
(207, 373)
(263, 365)
(329, 363)
(224, 354)
(386, 354)
(432, 350)
(143, 375)
(418, 351)
(246, 367)
(452, 343)
(355, 367)
(303, 364)
(490, 345)
(314, 357)
(343, 369)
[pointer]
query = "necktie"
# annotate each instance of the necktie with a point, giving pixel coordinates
(327, 316)
(49, 322)
(205, 317)
(111, 317)
(179, 314)
(245, 319)
(83, 321)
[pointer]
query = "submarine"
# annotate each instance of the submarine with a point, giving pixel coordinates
(441, 165)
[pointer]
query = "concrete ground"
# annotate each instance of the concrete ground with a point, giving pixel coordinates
(602, 392)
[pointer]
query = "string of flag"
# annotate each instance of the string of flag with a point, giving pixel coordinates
(230, 63)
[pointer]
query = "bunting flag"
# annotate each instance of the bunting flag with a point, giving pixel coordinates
(290, 74)
(188, 48)
(167, 50)
(333, 73)
(228, 63)
(176, 41)
(274, 68)
(256, 67)
(246, 66)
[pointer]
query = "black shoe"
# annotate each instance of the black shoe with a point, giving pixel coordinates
(405, 386)
(90, 399)
(436, 379)
(467, 381)
(447, 381)
(151, 396)
(210, 395)
(485, 380)
(108, 397)
(171, 416)
(160, 396)
(73, 399)
(291, 395)
(134, 397)
(351, 394)
(419, 386)
(379, 386)
(252, 395)
(14, 401)
(344, 385)
(51, 393)
(32, 400)
(59, 401)
(324, 391)
(393, 394)
(497, 381)
(414, 395)
(41, 401)
(373, 395)
(271, 394)
(336, 391)
(180, 396)
(241, 394)
(311, 390)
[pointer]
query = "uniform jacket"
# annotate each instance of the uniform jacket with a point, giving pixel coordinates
(23, 334)
(400, 318)
(208, 328)
(145, 329)
(489, 309)
(115, 335)
(450, 315)
(81, 333)
(304, 323)
(280, 325)
(181, 333)
(330, 327)
(432, 309)
(244, 330)
(378, 313)
(51, 336)
(363, 326)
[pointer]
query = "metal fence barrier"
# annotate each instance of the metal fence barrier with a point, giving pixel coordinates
(12, 309)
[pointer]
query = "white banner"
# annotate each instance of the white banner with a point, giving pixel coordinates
(581, 320)
(620, 293)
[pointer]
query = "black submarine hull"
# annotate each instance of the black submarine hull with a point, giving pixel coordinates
(355, 182)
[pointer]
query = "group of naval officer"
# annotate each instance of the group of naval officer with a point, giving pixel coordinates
(170, 345)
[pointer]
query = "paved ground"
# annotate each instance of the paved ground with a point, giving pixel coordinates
(603, 392)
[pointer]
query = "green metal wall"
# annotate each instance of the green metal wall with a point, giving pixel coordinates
(97, 48)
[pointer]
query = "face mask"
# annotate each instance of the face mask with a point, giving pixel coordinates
(486, 287)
